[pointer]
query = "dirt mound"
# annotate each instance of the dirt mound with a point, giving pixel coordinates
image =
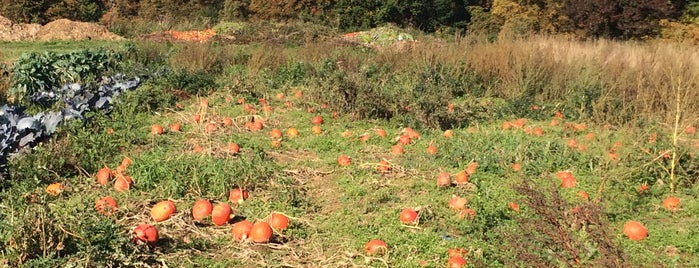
(17, 32)
(5, 22)
(64, 29)
(61, 29)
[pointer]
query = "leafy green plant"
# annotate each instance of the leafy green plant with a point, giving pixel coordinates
(33, 73)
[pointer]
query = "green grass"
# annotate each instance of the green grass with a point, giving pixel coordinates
(335, 210)
(12, 50)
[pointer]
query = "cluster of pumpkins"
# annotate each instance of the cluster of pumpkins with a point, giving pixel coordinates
(219, 214)
(203, 211)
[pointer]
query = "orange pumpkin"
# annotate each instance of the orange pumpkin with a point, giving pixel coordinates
(106, 205)
(408, 216)
(461, 178)
(210, 127)
(376, 247)
(227, 121)
(220, 214)
(237, 196)
(122, 183)
(671, 203)
(448, 133)
(456, 262)
(261, 232)
(397, 149)
(344, 160)
(145, 233)
(457, 203)
(201, 209)
(292, 132)
(156, 129)
(103, 176)
(175, 127)
(384, 166)
(275, 133)
(431, 149)
(278, 221)
(241, 230)
(163, 210)
(444, 179)
(635, 230)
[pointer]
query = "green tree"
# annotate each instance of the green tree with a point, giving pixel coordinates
(279, 9)
(234, 10)
(690, 13)
(79, 10)
(26, 11)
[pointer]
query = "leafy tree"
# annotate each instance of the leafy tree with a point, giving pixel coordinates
(623, 19)
(235, 10)
(79, 10)
(528, 16)
(26, 11)
(425, 15)
(279, 9)
(353, 15)
(690, 13)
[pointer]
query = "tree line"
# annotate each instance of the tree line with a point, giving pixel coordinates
(616, 19)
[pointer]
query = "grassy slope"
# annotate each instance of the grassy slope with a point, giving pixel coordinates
(334, 210)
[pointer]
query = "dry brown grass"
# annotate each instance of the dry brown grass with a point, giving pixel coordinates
(645, 76)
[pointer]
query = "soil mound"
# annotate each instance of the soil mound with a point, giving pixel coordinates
(64, 29)
(61, 29)
(17, 32)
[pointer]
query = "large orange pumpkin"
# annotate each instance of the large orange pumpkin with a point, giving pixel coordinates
(201, 209)
(162, 210)
(261, 232)
(220, 214)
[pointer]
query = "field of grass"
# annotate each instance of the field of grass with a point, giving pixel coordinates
(516, 150)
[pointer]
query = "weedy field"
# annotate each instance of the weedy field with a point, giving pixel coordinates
(337, 155)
